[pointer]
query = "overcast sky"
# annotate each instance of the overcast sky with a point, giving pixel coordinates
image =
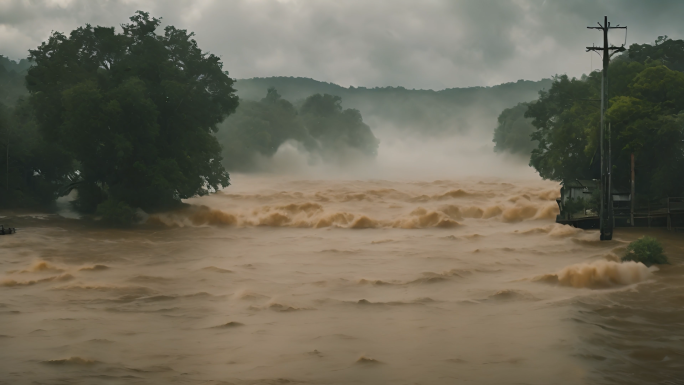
(416, 44)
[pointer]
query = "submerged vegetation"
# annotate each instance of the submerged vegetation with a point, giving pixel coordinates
(646, 250)
(646, 101)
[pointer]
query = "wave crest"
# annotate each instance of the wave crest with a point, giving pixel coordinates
(599, 275)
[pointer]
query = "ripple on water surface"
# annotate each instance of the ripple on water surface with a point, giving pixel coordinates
(459, 281)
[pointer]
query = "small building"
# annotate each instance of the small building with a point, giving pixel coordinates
(580, 203)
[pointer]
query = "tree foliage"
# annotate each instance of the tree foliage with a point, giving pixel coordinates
(563, 122)
(259, 128)
(646, 101)
(513, 131)
(320, 126)
(138, 111)
(32, 168)
(337, 128)
(669, 52)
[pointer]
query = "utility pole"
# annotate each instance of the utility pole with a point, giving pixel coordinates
(606, 215)
(7, 170)
(632, 196)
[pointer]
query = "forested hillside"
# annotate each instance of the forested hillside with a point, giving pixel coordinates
(422, 111)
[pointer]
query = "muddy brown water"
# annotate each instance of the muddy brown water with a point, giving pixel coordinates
(280, 281)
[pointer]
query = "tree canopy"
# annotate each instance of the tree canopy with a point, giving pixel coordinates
(320, 126)
(136, 110)
(646, 115)
(512, 134)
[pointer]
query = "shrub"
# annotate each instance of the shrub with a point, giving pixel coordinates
(646, 250)
(117, 213)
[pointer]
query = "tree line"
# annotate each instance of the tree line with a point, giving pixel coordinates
(446, 112)
(560, 130)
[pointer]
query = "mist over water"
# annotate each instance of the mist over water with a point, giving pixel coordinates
(439, 262)
(405, 156)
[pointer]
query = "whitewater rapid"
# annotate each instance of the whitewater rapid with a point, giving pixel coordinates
(281, 280)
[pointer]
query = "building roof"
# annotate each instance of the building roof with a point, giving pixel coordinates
(580, 183)
(589, 183)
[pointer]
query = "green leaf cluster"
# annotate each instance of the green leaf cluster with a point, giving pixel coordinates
(646, 250)
(137, 111)
(320, 126)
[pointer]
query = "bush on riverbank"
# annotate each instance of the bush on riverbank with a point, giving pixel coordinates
(646, 250)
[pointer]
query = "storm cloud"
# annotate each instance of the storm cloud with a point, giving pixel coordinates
(430, 44)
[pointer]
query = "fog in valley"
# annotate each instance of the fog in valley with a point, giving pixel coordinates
(405, 133)
(380, 212)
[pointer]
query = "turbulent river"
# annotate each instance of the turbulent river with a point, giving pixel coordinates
(287, 281)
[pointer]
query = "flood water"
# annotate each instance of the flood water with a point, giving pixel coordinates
(286, 281)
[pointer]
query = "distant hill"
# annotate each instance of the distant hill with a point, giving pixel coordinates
(426, 111)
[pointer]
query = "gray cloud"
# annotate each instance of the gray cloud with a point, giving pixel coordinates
(428, 44)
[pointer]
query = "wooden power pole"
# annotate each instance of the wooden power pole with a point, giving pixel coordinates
(606, 215)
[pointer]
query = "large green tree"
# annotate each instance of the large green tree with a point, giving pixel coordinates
(644, 109)
(137, 110)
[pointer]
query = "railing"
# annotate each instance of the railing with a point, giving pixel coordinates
(666, 209)
(669, 213)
